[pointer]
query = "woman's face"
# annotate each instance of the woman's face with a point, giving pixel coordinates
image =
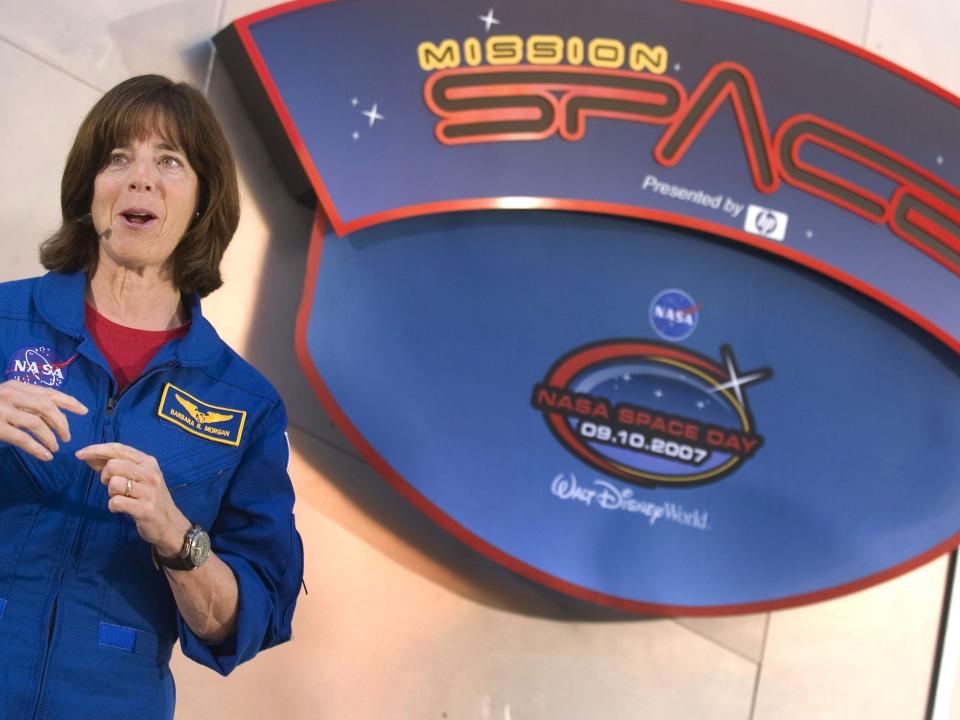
(146, 195)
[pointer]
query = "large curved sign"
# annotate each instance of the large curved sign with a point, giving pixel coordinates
(745, 405)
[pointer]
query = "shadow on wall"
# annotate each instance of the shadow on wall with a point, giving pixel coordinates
(380, 516)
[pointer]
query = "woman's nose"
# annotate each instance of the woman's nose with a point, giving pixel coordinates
(142, 175)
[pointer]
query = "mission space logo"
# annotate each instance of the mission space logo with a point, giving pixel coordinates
(513, 88)
(651, 413)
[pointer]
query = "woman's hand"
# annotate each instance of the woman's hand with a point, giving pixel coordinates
(31, 417)
(208, 598)
(136, 487)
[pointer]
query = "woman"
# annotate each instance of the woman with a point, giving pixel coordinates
(143, 487)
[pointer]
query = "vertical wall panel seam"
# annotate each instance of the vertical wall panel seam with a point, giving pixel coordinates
(217, 23)
(208, 75)
(866, 23)
(944, 665)
(756, 680)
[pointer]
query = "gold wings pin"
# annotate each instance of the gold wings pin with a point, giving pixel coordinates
(200, 416)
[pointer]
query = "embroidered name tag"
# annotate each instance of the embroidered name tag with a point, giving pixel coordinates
(211, 422)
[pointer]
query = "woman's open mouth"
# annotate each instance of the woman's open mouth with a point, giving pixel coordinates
(137, 217)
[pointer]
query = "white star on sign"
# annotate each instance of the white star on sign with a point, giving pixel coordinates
(809, 234)
(939, 159)
(488, 19)
(355, 135)
(373, 114)
(737, 381)
(658, 393)
(354, 102)
(676, 67)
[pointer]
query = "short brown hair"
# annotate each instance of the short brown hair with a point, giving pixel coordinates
(183, 117)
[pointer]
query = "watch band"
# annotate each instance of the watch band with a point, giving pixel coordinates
(175, 563)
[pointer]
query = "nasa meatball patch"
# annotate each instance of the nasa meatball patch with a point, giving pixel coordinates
(38, 365)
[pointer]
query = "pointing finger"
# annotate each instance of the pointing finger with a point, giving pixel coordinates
(102, 452)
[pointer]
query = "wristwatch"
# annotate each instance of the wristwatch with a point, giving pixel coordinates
(195, 551)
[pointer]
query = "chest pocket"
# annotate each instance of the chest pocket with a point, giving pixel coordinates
(197, 465)
(196, 481)
(17, 481)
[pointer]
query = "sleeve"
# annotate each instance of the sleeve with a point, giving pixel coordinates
(256, 536)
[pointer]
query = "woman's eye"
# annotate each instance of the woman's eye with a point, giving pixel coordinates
(170, 161)
(116, 158)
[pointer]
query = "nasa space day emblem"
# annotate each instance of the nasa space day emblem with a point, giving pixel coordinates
(38, 365)
(210, 422)
(650, 413)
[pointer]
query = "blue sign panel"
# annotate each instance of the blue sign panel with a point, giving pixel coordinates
(743, 405)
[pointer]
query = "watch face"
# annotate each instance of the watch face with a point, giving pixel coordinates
(199, 548)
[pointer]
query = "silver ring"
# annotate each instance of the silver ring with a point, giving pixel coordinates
(129, 487)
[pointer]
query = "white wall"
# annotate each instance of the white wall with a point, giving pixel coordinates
(401, 620)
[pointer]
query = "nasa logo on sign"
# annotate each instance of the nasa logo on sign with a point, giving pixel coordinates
(38, 365)
(674, 315)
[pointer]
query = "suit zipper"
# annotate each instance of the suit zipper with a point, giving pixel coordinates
(114, 399)
(108, 416)
(74, 555)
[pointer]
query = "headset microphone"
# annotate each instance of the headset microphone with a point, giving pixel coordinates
(87, 220)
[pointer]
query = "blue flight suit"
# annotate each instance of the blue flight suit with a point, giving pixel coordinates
(87, 623)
